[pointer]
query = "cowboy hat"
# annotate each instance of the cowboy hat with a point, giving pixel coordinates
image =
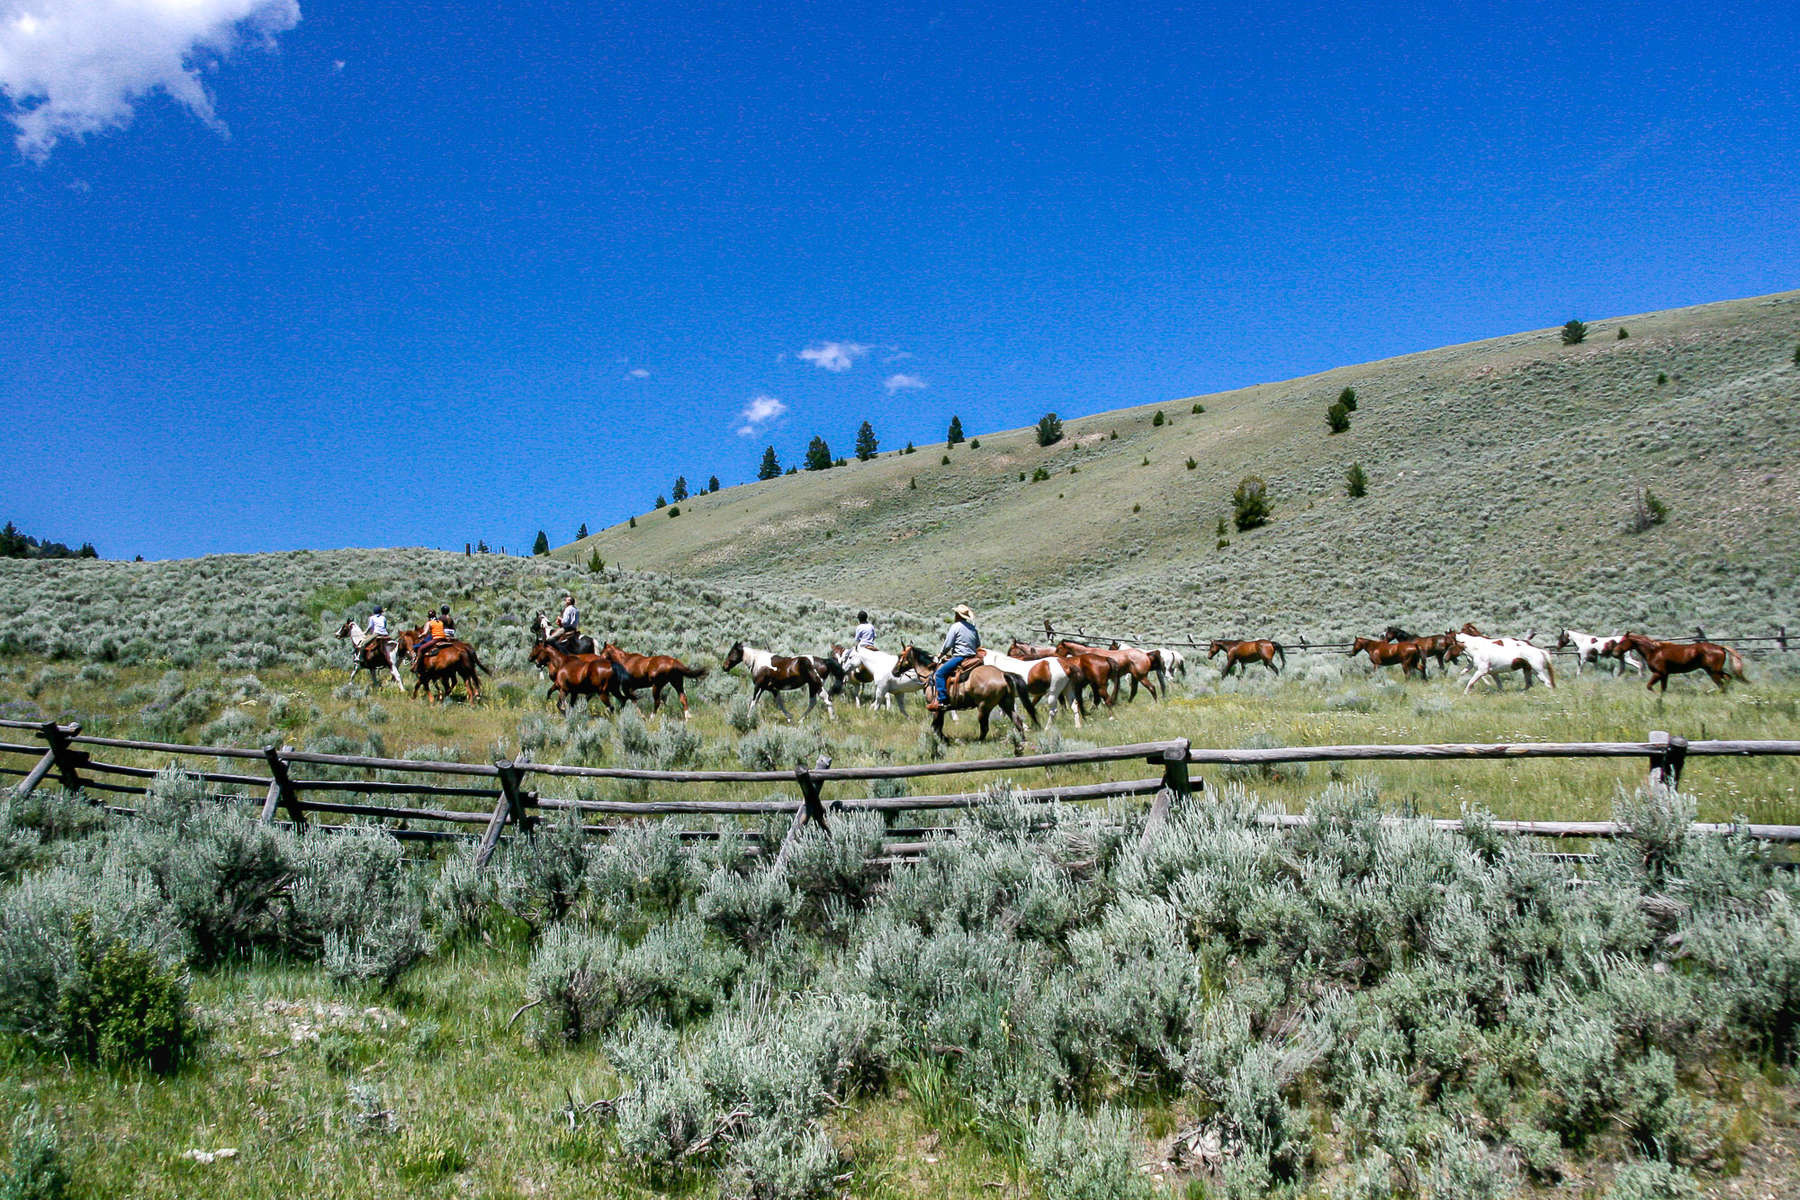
(962, 610)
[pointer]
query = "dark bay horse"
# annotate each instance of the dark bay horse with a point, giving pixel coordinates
(983, 687)
(1431, 645)
(1385, 654)
(654, 671)
(574, 675)
(1676, 658)
(1239, 655)
(445, 665)
(771, 673)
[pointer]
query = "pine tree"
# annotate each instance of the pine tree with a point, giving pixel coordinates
(1574, 332)
(662, 502)
(712, 485)
(1356, 482)
(542, 545)
(1347, 398)
(1049, 429)
(956, 433)
(595, 563)
(680, 492)
(865, 442)
(1250, 503)
(1337, 418)
(818, 455)
(771, 466)
(582, 532)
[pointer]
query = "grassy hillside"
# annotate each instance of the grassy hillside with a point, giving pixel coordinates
(1500, 478)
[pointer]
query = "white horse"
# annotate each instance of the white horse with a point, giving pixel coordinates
(1502, 654)
(890, 689)
(360, 638)
(1590, 648)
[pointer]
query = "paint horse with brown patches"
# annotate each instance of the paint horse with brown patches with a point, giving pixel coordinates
(1384, 653)
(372, 654)
(773, 674)
(979, 687)
(654, 671)
(572, 676)
(1676, 658)
(1240, 655)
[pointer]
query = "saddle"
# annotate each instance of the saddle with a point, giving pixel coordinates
(960, 676)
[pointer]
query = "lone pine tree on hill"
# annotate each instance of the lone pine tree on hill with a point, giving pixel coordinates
(542, 545)
(818, 455)
(712, 485)
(771, 466)
(1049, 429)
(866, 445)
(679, 492)
(582, 532)
(956, 434)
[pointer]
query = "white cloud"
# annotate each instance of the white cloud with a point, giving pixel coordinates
(639, 373)
(69, 68)
(900, 383)
(834, 356)
(759, 412)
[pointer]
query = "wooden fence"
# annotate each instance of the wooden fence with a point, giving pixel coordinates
(506, 801)
(1774, 643)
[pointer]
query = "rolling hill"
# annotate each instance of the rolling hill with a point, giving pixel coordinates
(1501, 475)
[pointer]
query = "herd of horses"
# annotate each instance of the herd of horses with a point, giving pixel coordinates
(1068, 673)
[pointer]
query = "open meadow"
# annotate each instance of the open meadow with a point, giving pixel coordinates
(1044, 1004)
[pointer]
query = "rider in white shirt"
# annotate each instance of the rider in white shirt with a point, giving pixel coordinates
(378, 623)
(865, 632)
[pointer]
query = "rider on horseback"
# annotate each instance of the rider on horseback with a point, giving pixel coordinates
(963, 641)
(378, 623)
(434, 635)
(570, 621)
(864, 637)
(449, 623)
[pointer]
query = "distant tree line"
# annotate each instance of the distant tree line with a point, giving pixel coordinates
(14, 544)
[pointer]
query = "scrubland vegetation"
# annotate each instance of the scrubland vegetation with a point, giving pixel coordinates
(1044, 1005)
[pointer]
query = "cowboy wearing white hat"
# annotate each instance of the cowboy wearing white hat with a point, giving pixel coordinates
(961, 642)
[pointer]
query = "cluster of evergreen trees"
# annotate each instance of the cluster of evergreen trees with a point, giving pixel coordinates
(14, 544)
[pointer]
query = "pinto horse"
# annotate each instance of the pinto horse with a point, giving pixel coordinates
(771, 673)
(578, 643)
(1041, 676)
(1591, 648)
(981, 687)
(1676, 658)
(1385, 654)
(1242, 654)
(574, 675)
(372, 654)
(891, 686)
(654, 671)
(1503, 654)
(1137, 665)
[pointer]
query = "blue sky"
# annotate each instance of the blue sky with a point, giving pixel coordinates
(386, 274)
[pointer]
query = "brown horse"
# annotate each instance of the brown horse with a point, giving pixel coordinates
(983, 688)
(1137, 665)
(1431, 645)
(654, 671)
(1385, 654)
(771, 673)
(1028, 652)
(1676, 658)
(1095, 672)
(574, 675)
(445, 665)
(1239, 655)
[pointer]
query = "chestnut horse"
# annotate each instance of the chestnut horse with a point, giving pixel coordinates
(574, 675)
(1385, 654)
(771, 673)
(1676, 658)
(982, 687)
(1137, 665)
(1242, 654)
(1042, 677)
(444, 666)
(1431, 645)
(654, 671)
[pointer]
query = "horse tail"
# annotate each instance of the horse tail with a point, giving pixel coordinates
(688, 672)
(1023, 692)
(1737, 663)
(1550, 669)
(1280, 653)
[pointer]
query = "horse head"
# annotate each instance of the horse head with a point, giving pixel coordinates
(543, 653)
(910, 658)
(734, 656)
(1223, 647)
(344, 629)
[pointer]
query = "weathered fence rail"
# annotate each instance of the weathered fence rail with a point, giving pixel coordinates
(506, 803)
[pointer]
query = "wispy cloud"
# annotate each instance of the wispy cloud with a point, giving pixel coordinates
(834, 356)
(639, 373)
(902, 383)
(758, 413)
(69, 68)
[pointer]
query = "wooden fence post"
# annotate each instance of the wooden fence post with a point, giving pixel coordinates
(1176, 786)
(1667, 759)
(36, 776)
(68, 760)
(281, 789)
(514, 795)
(811, 810)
